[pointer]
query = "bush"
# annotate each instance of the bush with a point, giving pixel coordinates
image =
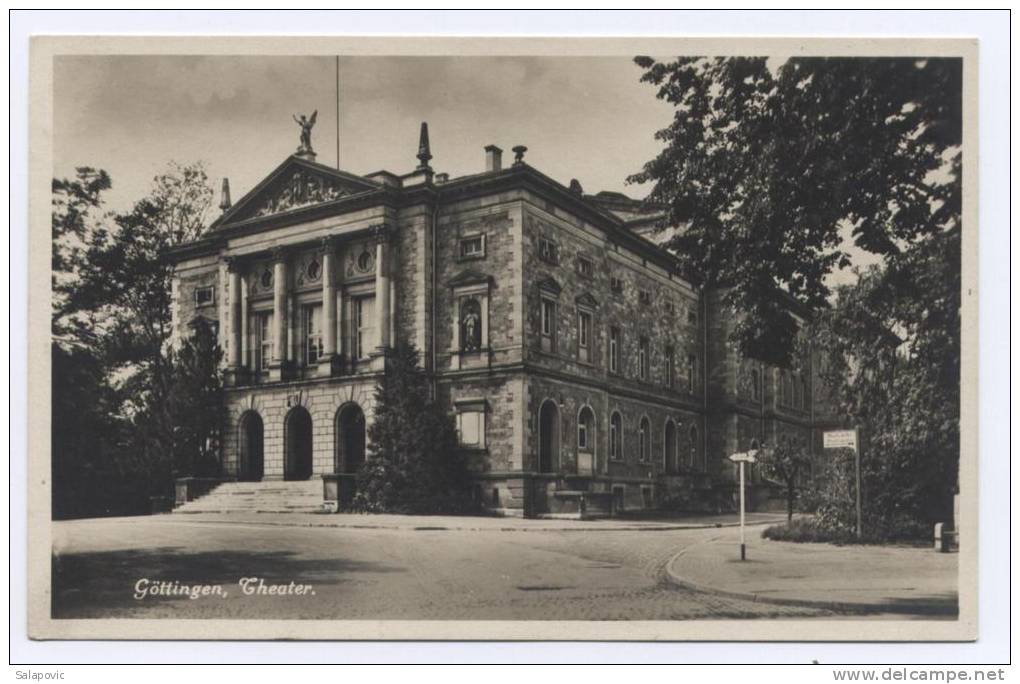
(818, 530)
(414, 462)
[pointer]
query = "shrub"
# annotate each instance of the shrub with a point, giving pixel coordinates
(414, 462)
(819, 530)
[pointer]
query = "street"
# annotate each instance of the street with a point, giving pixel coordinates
(409, 573)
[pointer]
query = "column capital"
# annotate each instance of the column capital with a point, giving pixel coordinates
(381, 233)
(278, 254)
(234, 264)
(327, 245)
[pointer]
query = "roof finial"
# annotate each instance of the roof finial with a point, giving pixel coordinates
(424, 152)
(225, 195)
(519, 151)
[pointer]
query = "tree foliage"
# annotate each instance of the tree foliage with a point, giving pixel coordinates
(128, 412)
(786, 462)
(768, 166)
(414, 462)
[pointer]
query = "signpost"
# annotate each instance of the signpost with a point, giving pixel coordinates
(741, 458)
(847, 439)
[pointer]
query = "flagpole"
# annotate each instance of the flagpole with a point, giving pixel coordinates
(338, 111)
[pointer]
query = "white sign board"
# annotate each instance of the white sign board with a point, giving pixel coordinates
(840, 439)
(745, 456)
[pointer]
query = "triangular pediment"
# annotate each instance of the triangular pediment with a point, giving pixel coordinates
(468, 277)
(585, 299)
(295, 184)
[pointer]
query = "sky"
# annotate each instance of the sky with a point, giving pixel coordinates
(587, 118)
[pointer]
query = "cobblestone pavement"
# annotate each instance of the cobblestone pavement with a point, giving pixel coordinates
(381, 574)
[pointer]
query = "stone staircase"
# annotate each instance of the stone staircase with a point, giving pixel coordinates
(302, 496)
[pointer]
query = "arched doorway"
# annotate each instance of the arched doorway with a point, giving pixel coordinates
(548, 437)
(297, 436)
(250, 455)
(350, 439)
(669, 464)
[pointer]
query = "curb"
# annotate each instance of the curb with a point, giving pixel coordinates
(838, 606)
(297, 522)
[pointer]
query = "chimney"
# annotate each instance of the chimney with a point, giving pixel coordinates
(225, 195)
(493, 159)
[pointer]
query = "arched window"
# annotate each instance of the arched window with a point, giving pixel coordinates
(669, 463)
(586, 441)
(616, 436)
(644, 441)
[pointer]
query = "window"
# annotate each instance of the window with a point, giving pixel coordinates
(614, 349)
(670, 307)
(585, 266)
(616, 284)
(669, 368)
(548, 325)
(644, 297)
(472, 247)
(584, 336)
(693, 455)
(204, 295)
(363, 321)
(265, 340)
(471, 428)
(692, 316)
(755, 384)
(692, 371)
(615, 436)
(548, 251)
(644, 443)
(313, 333)
(586, 430)
(805, 393)
(643, 360)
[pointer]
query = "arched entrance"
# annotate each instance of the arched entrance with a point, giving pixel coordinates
(548, 437)
(350, 439)
(297, 436)
(250, 456)
(669, 448)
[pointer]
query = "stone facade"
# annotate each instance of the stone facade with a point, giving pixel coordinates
(580, 366)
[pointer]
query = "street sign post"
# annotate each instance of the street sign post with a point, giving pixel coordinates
(741, 458)
(848, 439)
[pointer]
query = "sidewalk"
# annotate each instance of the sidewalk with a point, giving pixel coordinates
(382, 521)
(845, 578)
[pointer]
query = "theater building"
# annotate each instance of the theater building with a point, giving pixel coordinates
(579, 365)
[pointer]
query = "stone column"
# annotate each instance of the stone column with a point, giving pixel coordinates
(244, 322)
(234, 353)
(329, 350)
(279, 313)
(382, 297)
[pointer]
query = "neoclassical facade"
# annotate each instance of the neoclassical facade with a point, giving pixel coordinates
(576, 361)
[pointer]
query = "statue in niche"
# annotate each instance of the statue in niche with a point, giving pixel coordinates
(306, 125)
(470, 325)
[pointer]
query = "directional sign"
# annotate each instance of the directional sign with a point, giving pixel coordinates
(840, 439)
(745, 456)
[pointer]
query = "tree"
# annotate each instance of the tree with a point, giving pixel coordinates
(414, 463)
(786, 462)
(768, 166)
(113, 383)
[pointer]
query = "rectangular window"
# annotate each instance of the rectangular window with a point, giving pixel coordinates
(585, 267)
(313, 333)
(670, 307)
(363, 321)
(644, 297)
(548, 251)
(614, 349)
(692, 316)
(582, 435)
(204, 295)
(669, 368)
(472, 247)
(643, 361)
(692, 364)
(616, 284)
(584, 336)
(265, 340)
(471, 428)
(548, 325)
